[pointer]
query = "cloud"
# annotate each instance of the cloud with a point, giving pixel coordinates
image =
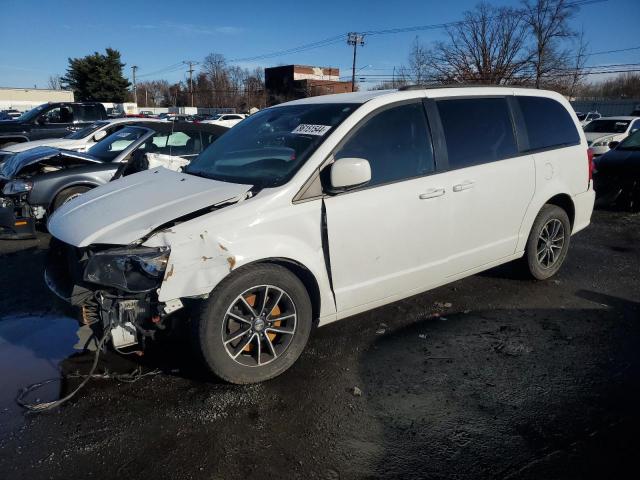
(190, 28)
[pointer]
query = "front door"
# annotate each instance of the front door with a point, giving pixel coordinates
(56, 122)
(390, 238)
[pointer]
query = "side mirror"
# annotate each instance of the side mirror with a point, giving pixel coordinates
(43, 120)
(99, 135)
(348, 173)
(613, 145)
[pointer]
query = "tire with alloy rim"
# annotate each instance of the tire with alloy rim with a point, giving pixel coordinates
(254, 325)
(67, 195)
(548, 242)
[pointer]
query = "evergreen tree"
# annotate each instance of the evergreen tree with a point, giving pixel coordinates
(97, 77)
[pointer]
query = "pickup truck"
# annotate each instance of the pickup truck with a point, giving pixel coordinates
(50, 120)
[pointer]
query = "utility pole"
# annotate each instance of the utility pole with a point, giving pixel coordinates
(191, 64)
(135, 92)
(355, 39)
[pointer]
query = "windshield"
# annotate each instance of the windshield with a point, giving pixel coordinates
(32, 114)
(86, 131)
(269, 147)
(632, 142)
(113, 145)
(607, 126)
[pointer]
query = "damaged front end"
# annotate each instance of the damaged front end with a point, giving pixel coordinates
(17, 217)
(114, 287)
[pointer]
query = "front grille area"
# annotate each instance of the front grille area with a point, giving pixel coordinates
(63, 273)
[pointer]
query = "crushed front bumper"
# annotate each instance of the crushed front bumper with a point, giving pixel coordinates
(16, 220)
(131, 317)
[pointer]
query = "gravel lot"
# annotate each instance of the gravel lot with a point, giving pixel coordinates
(494, 376)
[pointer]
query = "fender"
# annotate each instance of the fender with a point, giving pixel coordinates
(206, 250)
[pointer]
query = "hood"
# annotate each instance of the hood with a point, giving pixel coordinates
(123, 211)
(628, 160)
(47, 142)
(13, 164)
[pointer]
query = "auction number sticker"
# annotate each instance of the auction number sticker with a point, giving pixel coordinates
(307, 129)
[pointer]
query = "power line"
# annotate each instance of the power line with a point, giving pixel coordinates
(337, 38)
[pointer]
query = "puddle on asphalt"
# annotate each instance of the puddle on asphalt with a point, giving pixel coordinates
(31, 349)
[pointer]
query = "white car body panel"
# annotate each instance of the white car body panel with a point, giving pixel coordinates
(62, 143)
(126, 209)
(79, 145)
(375, 267)
(479, 237)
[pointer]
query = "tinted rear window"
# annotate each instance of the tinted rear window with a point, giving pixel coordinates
(548, 123)
(477, 130)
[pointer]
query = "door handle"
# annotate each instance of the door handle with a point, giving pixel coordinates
(432, 193)
(466, 185)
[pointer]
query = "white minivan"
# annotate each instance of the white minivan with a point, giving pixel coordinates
(318, 209)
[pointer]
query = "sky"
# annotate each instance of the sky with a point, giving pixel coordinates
(38, 36)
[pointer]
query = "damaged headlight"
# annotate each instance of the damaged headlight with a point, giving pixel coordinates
(134, 270)
(17, 186)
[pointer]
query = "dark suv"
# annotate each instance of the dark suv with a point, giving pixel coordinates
(50, 120)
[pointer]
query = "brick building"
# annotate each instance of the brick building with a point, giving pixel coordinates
(289, 82)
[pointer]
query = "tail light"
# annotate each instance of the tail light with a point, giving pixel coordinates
(590, 162)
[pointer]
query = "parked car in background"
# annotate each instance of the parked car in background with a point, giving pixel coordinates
(226, 119)
(605, 130)
(79, 141)
(177, 117)
(616, 177)
(12, 113)
(147, 113)
(50, 120)
(322, 208)
(588, 117)
(38, 181)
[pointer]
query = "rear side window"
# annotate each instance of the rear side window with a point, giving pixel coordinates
(548, 123)
(88, 113)
(396, 142)
(477, 130)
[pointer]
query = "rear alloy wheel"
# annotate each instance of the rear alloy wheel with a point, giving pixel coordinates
(255, 324)
(548, 242)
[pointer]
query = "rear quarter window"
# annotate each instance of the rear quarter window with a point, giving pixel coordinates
(548, 123)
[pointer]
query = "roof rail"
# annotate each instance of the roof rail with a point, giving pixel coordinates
(453, 85)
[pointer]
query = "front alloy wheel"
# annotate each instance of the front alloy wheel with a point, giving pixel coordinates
(259, 325)
(254, 325)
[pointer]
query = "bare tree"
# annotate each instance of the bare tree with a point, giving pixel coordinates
(578, 72)
(487, 46)
(548, 21)
(55, 82)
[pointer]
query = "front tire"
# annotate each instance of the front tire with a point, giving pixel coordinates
(67, 195)
(548, 242)
(254, 325)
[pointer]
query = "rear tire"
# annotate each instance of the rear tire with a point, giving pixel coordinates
(237, 330)
(548, 242)
(68, 195)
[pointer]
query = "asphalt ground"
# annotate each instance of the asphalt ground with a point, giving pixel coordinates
(493, 376)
